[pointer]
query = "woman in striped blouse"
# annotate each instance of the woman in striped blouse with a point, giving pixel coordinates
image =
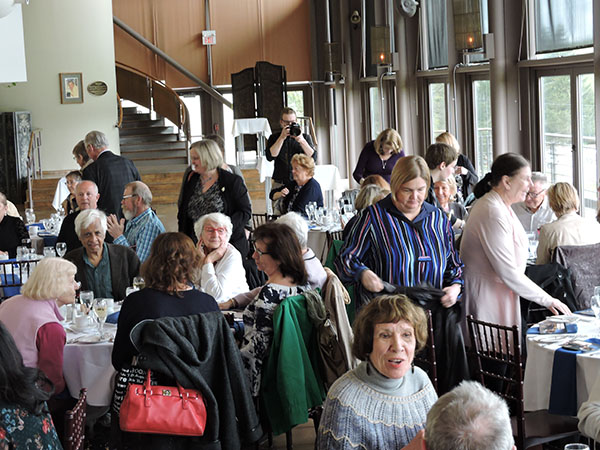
(406, 241)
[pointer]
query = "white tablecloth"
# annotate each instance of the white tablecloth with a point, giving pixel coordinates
(540, 358)
(89, 366)
(61, 193)
(317, 242)
(251, 126)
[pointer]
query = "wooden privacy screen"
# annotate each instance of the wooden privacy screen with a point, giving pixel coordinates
(247, 31)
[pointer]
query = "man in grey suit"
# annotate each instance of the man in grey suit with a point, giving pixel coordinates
(109, 171)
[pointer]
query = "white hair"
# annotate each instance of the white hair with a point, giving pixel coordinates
(469, 417)
(87, 217)
(298, 225)
(218, 218)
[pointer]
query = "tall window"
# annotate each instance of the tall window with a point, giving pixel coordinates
(192, 102)
(557, 141)
(436, 34)
(568, 133)
(437, 110)
(563, 25)
(375, 122)
(482, 114)
(295, 100)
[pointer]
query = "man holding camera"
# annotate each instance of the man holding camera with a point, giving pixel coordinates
(282, 148)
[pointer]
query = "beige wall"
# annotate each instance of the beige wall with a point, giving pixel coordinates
(66, 36)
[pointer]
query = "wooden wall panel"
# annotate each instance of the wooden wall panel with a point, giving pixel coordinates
(247, 31)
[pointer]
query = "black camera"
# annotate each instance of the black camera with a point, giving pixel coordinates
(295, 129)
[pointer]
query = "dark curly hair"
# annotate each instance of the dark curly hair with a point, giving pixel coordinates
(24, 386)
(283, 246)
(173, 259)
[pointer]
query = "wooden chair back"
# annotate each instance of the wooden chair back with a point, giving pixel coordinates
(425, 359)
(75, 424)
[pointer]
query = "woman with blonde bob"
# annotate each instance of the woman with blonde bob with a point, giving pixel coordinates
(220, 261)
(379, 157)
(33, 319)
(569, 228)
(210, 188)
(294, 196)
(405, 241)
(383, 403)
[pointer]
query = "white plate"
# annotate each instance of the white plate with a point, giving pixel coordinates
(90, 339)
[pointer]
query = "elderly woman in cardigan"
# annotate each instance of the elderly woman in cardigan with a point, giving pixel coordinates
(383, 403)
(222, 267)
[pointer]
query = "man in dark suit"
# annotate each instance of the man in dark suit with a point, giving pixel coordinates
(109, 171)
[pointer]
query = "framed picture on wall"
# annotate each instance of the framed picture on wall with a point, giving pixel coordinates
(71, 90)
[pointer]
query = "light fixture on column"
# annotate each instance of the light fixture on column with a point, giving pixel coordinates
(467, 26)
(6, 6)
(380, 46)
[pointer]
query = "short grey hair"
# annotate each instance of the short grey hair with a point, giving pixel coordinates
(141, 190)
(298, 225)
(469, 417)
(218, 218)
(97, 139)
(539, 177)
(87, 217)
(208, 153)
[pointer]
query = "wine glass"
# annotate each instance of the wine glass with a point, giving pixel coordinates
(101, 311)
(86, 299)
(61, 248)
(139, 283)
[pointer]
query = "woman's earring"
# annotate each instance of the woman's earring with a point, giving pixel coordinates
(412, 367)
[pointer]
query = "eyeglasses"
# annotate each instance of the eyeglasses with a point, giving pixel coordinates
(220, 230)
(260, 253)
(288, 122)
(535, 194)
(125, 197)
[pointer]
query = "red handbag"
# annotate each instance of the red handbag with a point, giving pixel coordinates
(162, 410)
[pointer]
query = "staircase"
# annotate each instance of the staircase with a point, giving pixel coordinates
(153, 146)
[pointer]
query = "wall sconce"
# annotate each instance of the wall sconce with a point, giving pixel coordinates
(467, 26)
(380, 45)
(6, 6)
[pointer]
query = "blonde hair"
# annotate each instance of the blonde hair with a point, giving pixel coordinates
(49, 279)
(389, 137)
(208, 153)
(563, 198)
(408, 168)
(448, 139)
(304, 161)
(369, 195)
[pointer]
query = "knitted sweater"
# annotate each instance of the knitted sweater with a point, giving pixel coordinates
(366, 410)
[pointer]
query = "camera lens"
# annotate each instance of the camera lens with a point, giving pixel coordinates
(295, 129)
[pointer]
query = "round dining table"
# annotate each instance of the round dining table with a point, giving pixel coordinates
(541, 382)
(87, 363)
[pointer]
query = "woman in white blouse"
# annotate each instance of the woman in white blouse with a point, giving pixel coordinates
(569, 228)
(223, 275)
(494, 247)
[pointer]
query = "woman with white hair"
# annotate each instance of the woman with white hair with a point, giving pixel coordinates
(106, 269)
(33, 319)
(223, 274)
(209, 189)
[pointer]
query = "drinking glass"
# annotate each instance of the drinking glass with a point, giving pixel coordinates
(595, 305)
(22, 253)
(101, 311)
(49, 252)
(86, 298)
(577, 447)
(61, 249)
(29, 215)
(139, 283)
(596, 290)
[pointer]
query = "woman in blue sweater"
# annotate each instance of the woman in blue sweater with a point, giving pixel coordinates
(303, 190)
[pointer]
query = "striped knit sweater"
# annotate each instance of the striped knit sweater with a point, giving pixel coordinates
(401, 251)
(365, 410)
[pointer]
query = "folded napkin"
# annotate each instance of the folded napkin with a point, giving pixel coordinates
(563, 389)
(569, 328)
(113, 318)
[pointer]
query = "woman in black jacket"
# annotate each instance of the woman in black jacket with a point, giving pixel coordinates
(12, 230)
(210, 189)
